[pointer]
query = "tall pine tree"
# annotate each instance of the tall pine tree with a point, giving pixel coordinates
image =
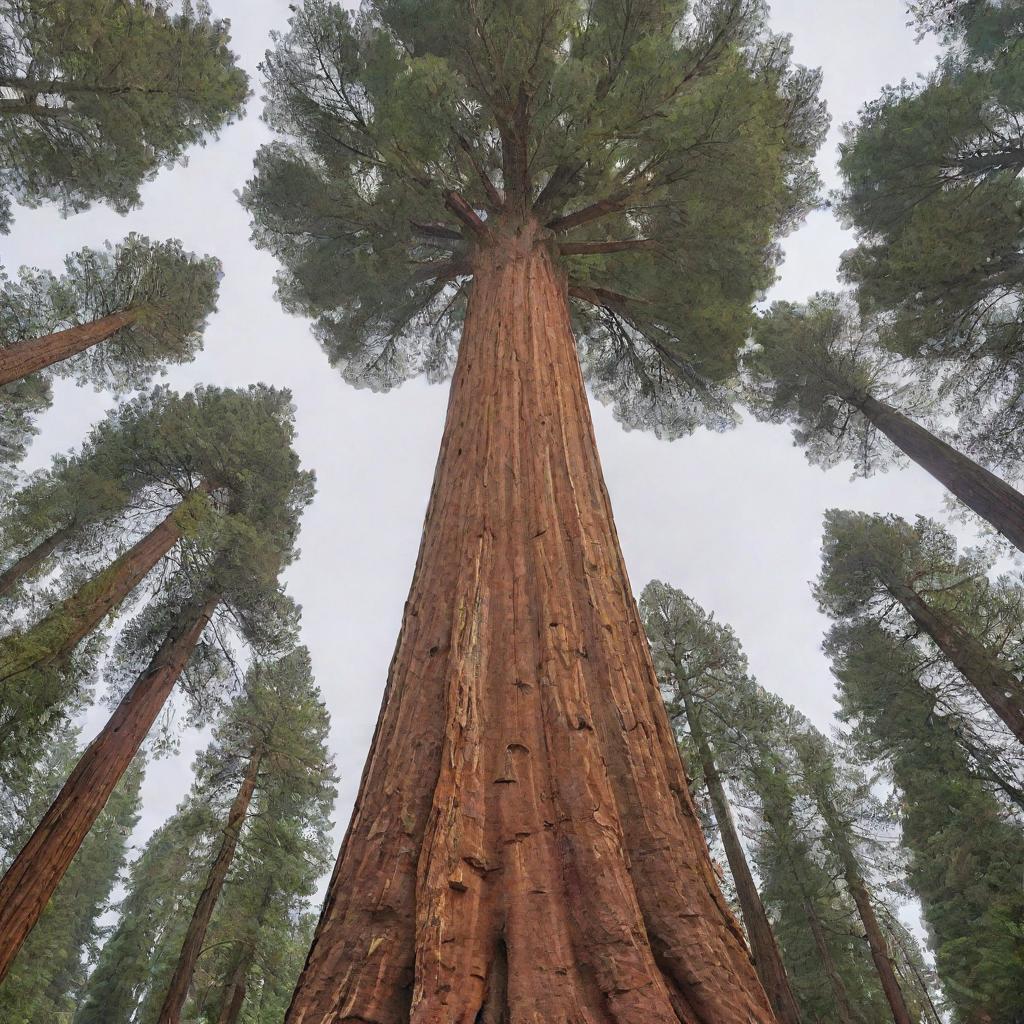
(498, 171)
(98, 95)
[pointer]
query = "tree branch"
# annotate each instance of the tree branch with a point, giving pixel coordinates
(616, 245)
(602, 208)
(603, 297)
(465, 213)
(438, 231)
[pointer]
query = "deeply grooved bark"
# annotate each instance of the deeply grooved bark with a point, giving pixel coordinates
(523, 783)
(37, 870)
(25, 357)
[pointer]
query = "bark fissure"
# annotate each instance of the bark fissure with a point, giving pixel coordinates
(523, 791)
(25, 357)
(37, 870)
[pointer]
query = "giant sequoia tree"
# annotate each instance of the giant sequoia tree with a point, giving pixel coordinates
(98, 95)
(934, 189)
(882, 568)
(821, 368)
(523, 845)
(227, 564)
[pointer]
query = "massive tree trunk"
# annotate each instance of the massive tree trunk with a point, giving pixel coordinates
(523, 847)
(31, 560)
(195, 935)
(988, 674)
(25, 357)
(983, 492)
(51, 641)
(37, 870)
(767, 958)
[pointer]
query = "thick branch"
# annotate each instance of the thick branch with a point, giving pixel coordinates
(437, 231)
(602, 208)
(603, 297)
(465, 213)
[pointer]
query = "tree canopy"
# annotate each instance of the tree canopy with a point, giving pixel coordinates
(98, 95)
(933, 188)
(639, 134)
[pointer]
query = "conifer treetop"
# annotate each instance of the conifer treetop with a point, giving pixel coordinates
(658, 149)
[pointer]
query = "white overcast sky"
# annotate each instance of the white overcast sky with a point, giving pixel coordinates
(733, 519)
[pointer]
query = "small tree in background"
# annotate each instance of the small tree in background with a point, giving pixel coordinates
(882, 568)
(966, 849)
(478, 177)
(933, 188)
(821, 368)
(98, 95)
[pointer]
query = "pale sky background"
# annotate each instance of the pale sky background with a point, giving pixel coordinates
(733, 519)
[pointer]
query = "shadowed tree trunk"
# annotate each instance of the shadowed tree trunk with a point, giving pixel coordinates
(56, 636)
(25, 357)
(988, 674)
(983, 492)
(31, 560)
(37, 870)
(523, 846)
(840, 995)
(767, 958)
(195, 935)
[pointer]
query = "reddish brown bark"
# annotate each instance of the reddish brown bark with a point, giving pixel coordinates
(195, 935)
(37, 870)
(31, 560)
(983, 492)
(989, 675)
(767, 958)
(25, 357)
(57, 635)
(231, 1008)
(523, 847)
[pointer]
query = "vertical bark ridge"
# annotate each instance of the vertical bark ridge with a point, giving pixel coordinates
(31, 879)
(195, 934)
(523, 793)
(980, 490)
(989, 675)
(34, 354)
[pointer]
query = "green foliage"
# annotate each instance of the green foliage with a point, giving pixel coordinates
(49, 973)
(688, 129)
(797, 797)
(966, 851)
(105, 93)
(262, 918)
(813, 366)
(148, 457)
(935, 193)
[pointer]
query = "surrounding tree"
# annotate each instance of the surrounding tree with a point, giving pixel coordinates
(820, 367)
(48, 976)
(882, 568)
(966, 853)
(934, 190)
(98, 95)
(242, 921)
(494, 170)
(702, 667)
(230, 567)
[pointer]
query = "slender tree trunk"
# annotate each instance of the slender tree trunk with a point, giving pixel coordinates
(983, 492)
(767, 958)
(25, 357)
(31, 561)
(237, 983)
(523, 846)
(37, 870)
(192, 946)
(876, 940)
(992, 678)
(840, 995)
(51, 641)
